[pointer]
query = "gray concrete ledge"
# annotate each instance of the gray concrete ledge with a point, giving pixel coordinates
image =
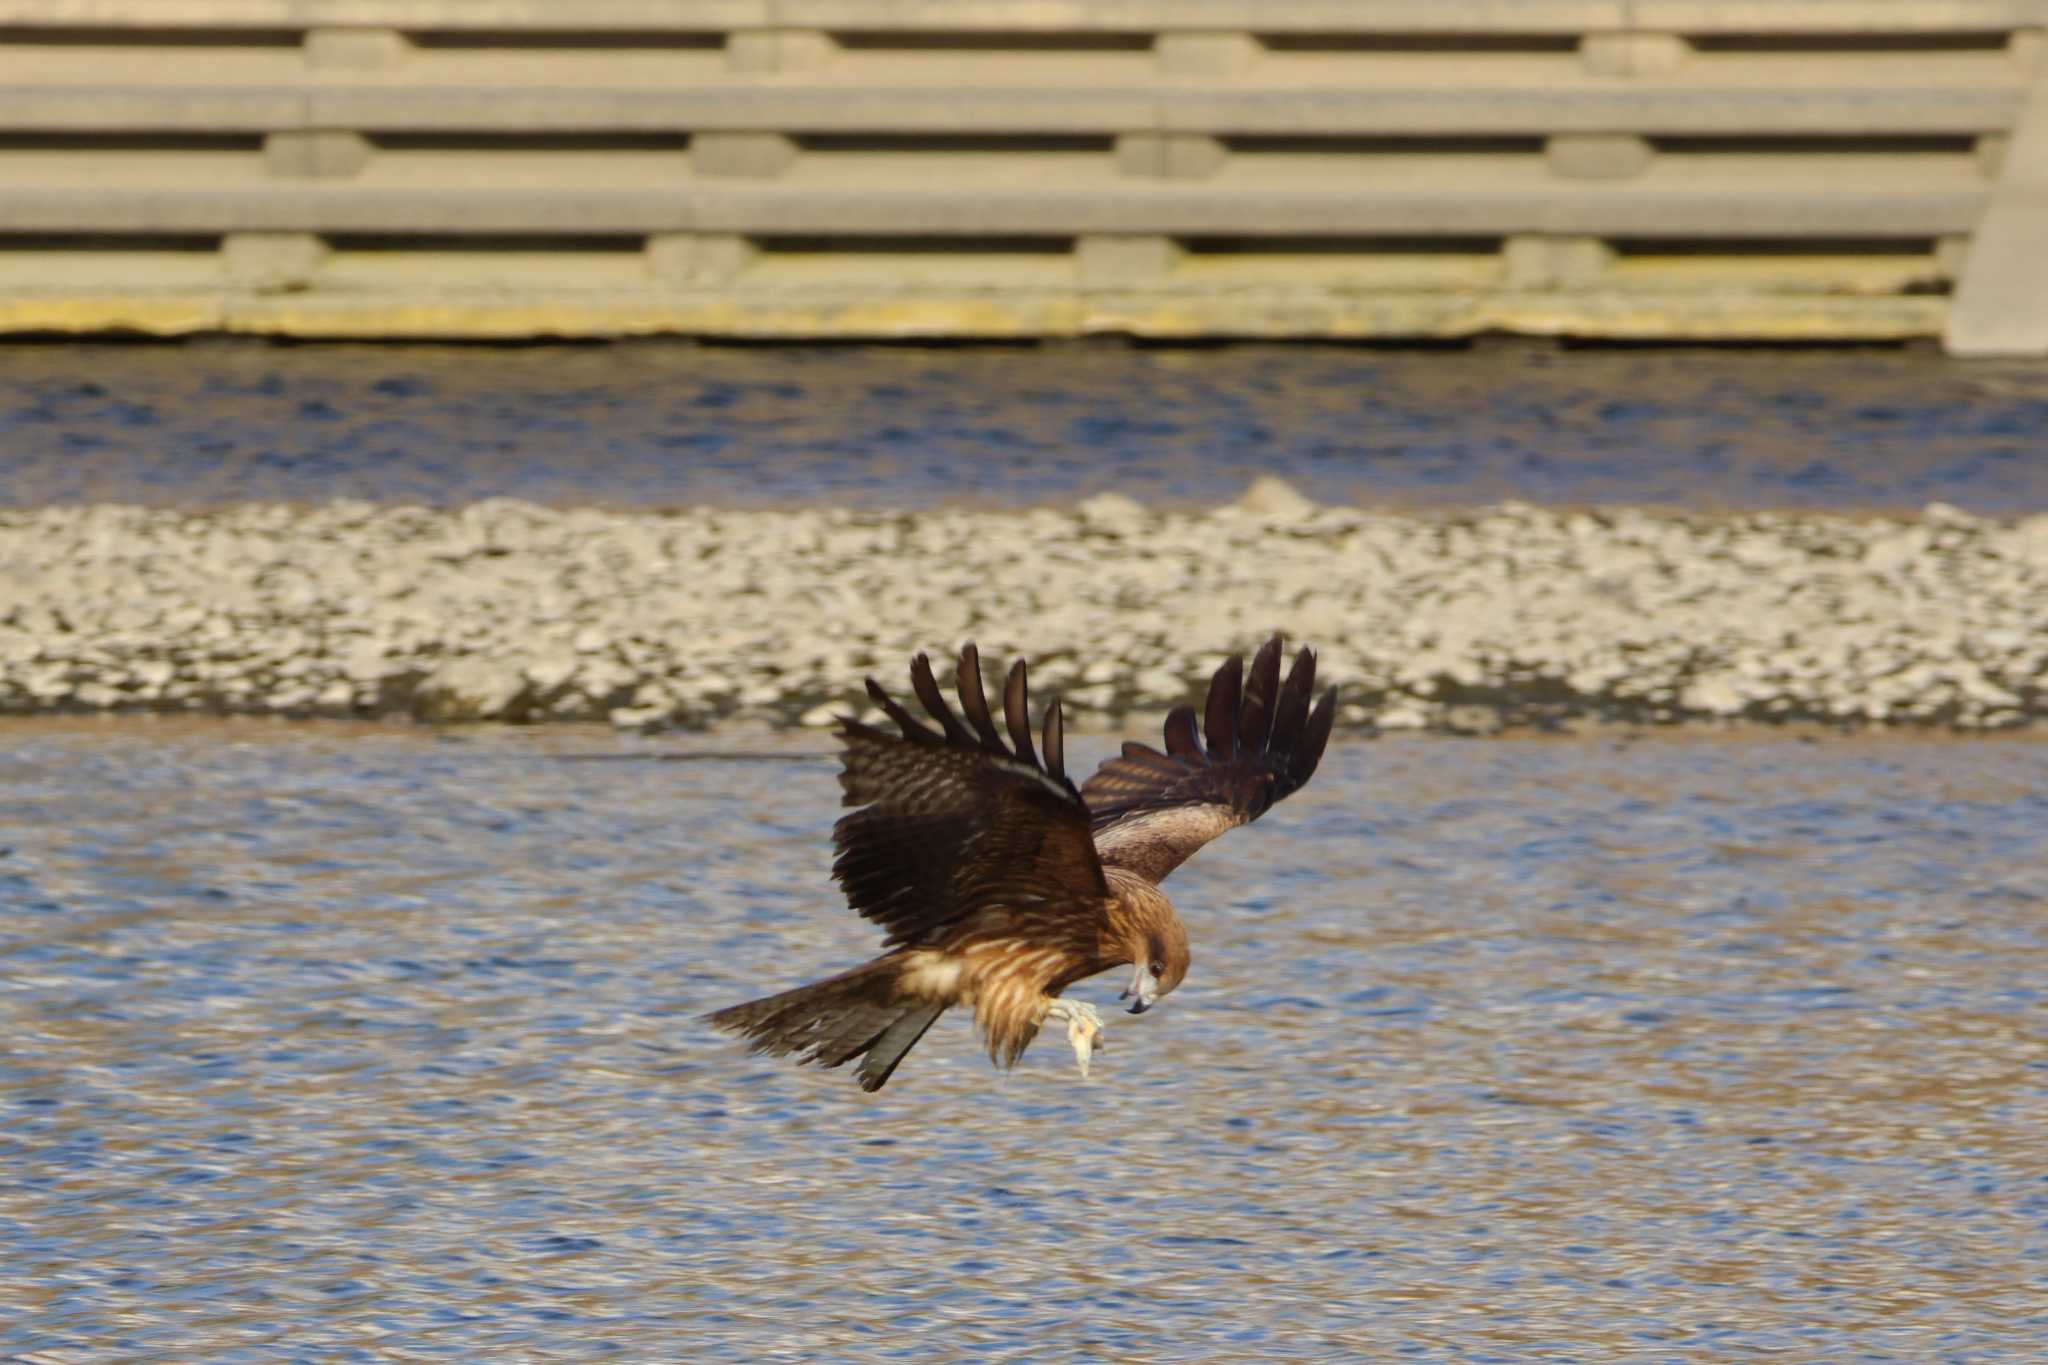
(511, 612)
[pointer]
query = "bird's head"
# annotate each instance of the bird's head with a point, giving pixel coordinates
(1159, 957)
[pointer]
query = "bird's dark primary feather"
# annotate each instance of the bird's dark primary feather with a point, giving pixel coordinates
(1255, 717)
(1017, 712)
(1219, 717)
(907, 723)
(1055, 741)
(948, 825)
(934, 701)
(974, 701)
(1151, 810)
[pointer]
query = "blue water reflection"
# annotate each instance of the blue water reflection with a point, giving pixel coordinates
(658, 424)
(335, 1043)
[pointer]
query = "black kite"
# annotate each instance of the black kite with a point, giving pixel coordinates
(999, 885)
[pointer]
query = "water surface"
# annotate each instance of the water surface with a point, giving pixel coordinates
(658, 424)
(334, 1043)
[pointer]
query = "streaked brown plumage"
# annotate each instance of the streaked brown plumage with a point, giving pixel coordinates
(998, 884)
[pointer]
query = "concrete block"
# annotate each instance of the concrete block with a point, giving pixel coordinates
(1534, 262)
(1633, 54)
(2000, 305)
(687, 258)
(355, 49)
(1992, 149)
(1598, 156)
(2028, 46)
(1951, 255)
(271, 262)
(325, 155)
(778, 49)
(752, 155)
(1106, 262)
(1170, 156)
(1206, 54)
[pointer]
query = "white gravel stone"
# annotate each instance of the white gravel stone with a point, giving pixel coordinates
(508, 611)
(1115, 513)
(469, 689)
(552, 672)
(1275, 499)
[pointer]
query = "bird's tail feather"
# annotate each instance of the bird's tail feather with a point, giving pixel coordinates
(860, 1013)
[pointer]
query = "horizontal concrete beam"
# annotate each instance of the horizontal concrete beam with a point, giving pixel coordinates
(1835, 16)
(438, 267)
(1701, 207)
(890, 310)
(1665, 107)
(1267, 16)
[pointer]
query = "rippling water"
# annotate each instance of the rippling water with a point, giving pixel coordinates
(662, 424)
(326, 1043)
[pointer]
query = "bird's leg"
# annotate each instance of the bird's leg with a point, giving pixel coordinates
(1084, 1028)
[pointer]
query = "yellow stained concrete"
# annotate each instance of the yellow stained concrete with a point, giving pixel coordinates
(1636, 315)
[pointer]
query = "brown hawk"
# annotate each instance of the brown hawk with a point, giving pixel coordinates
(998, 884)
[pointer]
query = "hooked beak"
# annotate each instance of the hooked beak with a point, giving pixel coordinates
(1144, 987)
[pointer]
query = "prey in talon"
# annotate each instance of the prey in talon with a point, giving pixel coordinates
(998, 884)
(1084, 1030)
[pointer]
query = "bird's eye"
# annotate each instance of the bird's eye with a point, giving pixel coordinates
(1159, 969)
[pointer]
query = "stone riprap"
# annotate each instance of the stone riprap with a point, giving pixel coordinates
(514, 612)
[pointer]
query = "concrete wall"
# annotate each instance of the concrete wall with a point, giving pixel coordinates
(1346, 168)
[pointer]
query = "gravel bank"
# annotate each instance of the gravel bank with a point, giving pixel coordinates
(508, 611)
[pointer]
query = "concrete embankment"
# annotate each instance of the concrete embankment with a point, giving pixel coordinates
(509, 611)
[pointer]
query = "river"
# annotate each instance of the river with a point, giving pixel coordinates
(336, 1042)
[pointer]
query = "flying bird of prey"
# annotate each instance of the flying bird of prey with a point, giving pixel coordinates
(998, 884)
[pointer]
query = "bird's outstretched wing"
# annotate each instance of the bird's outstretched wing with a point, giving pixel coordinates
(954, 821)
(1151, 810)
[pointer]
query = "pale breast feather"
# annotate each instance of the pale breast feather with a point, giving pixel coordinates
(934, 976)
